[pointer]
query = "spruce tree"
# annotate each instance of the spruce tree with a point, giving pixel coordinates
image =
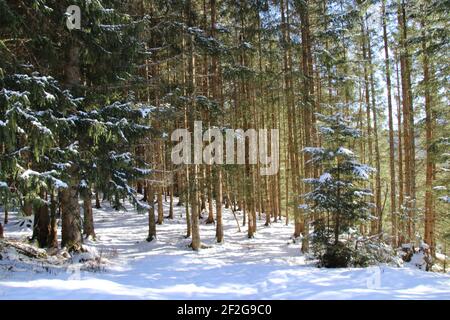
(337, 195)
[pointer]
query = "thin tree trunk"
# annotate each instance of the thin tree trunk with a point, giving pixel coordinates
(429, 210)
(170, 216)
(379, 211)
(88, 223)
(97, 200)
(53, 236)
(219, 223)
(393, 206)
(408, 123)
(6, 220)
(151, 213)
(159, 198)
(400, 222)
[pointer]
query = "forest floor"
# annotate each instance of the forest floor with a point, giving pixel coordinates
(270, 266)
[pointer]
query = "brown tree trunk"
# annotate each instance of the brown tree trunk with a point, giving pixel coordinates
(42, 225)
(97, 200)
(195, 244)
(88, 223)
(53, 236)
(170, 216)
(378, 204)
(219, 224)
(6, 220)
(408, 124)
(429, 210)
(151, 213)
(210, 198)
(71, 221)
(393, 206)
(400, 222)
(373, 223)
(159, 198)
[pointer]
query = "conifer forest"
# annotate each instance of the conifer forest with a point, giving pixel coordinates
(224, 149)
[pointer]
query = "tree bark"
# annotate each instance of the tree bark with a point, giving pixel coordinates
(88, 223)
(97, 200)
(71, 221)
(159, 198)
(151, 213)
(429, 210)
(219, 224)
(53, 236)
(408, 124)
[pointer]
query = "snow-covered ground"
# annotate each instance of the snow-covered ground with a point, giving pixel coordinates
(270, 266)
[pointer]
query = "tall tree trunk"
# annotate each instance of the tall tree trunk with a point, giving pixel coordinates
(393, 206)
(308, 99)
(400, 221)
(373, 223)
(290, 102)
(71, 234)
(408, 123)
(429, 210)
(379, 211)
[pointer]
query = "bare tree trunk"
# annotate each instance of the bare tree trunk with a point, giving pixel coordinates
(393, 206)
(71, 221)
(170, 216)
(408, 124)
(373, 223)
(41, 227)
(97, 200)
(53, 236)
(151, 213)
(429, 210)
(195, 244)
(375, 132)
(219, 225)
(210, 198)
(88, 223)
(6, 215)
(400, 222)
(160, 206)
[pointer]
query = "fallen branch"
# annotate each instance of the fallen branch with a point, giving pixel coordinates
(24, 249)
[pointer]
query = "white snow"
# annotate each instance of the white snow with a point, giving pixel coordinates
(270, 266)
(28, 173)
(325, 177)
(49, 97)
(345, 151)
